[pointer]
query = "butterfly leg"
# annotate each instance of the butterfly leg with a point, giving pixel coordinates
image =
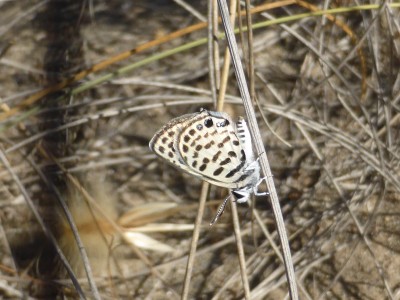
(255, 190)
(260, 194)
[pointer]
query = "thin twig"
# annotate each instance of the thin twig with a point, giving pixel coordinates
(239, 244)
(195, 239)
(226, 65)
(250, 49)
(191, 9)
(211, 43)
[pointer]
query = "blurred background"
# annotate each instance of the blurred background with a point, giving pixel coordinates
(84, 85)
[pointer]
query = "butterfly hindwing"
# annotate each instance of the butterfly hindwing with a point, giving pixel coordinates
(163, 142)
(209, 145)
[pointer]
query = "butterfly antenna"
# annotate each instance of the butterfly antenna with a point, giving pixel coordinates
(220, 210)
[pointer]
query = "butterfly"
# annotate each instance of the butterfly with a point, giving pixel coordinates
(212, 147)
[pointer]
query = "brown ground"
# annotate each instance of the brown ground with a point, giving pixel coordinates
(332, 140)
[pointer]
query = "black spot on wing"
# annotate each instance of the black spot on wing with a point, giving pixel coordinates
(208, 123)
(208, 145)
(235, 170)
(216, 155)
(186, 138)
(203, 167)
(161, 149)
(199, 147)
(225, 161)
(224, 123)
(232, 154)
(224, 141)
(218, 171)
(243, 157)
(192, 132)
(246, 174)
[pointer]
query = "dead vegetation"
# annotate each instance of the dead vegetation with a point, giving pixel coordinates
(328, 94)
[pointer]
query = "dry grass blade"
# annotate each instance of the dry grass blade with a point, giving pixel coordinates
(223, 80)
(260, 148)
(241, 256)
(195, 240)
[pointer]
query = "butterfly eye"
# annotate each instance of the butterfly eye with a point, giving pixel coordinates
(208, 123)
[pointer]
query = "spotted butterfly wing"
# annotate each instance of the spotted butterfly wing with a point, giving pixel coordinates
(209, 146)
(163, 142)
